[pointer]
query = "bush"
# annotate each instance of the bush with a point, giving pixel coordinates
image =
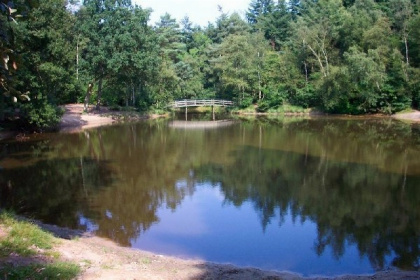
(245, 102)
(41, 116)
(263, 105)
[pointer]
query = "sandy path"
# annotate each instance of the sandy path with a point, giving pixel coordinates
(75, 120)
(411, 116)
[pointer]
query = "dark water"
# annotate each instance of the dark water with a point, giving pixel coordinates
(317, 197)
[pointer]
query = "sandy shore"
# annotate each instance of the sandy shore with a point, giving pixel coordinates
(411, 116)
(100, 258)
(75, 120)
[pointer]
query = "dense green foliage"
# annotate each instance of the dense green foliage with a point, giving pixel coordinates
(340, 56)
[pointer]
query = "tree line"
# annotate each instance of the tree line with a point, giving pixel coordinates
(339, 56)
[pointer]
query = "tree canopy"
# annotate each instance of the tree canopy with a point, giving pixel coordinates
(354, 57)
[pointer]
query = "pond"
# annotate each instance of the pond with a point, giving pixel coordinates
(324, 196)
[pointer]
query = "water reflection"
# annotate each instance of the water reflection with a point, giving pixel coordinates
(53, 190)
(357, 180)
(350, 203)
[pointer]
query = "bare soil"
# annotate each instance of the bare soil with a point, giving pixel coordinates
(411, 116)
(74, 119)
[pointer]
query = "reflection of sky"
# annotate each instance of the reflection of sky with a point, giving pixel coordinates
(87, 223)
(205, 227)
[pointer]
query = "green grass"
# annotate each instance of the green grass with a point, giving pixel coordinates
(247, 110)
(23, 237)
(408, 110)
(57, 270)
(146, 261)
(283, 109)
(289, 109)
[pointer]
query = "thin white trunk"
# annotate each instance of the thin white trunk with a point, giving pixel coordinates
(319, 60)
(406, 50)
(77, 59)
(259, 78)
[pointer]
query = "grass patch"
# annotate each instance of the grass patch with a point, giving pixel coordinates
(289, 109)
(107, 266)
(146, 261)
(247, 110)
(58, 270)
(282, 109)
(23, 237)
(405, 111)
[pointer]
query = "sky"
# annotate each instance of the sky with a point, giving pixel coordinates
(199, 11)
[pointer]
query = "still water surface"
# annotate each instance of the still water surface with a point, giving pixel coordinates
(313, 196)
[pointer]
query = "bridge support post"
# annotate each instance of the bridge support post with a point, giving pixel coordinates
(212, 111)
(186, 113)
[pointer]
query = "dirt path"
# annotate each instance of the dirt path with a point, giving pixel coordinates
(75, 120)
(411, 116)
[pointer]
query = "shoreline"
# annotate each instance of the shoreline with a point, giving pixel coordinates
(413, 116)
(75, 120)
(101, 258)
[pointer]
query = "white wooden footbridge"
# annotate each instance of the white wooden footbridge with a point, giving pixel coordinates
(201, 103)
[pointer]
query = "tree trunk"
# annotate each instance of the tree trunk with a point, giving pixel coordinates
(133, 92)
(259, 78)
(406, 50)
(319, 60)
(98, 101)
(406, 57)
(87, 97)
(2, 107)
(77, 58)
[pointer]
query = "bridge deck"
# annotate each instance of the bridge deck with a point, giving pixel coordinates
(202, 102)
(200, 124)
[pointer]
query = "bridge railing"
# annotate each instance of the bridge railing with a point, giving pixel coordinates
(201, 102)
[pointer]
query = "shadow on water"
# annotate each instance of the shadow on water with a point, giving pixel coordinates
(357, 180)
(60, 186)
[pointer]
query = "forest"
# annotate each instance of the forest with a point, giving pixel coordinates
(338, 56)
